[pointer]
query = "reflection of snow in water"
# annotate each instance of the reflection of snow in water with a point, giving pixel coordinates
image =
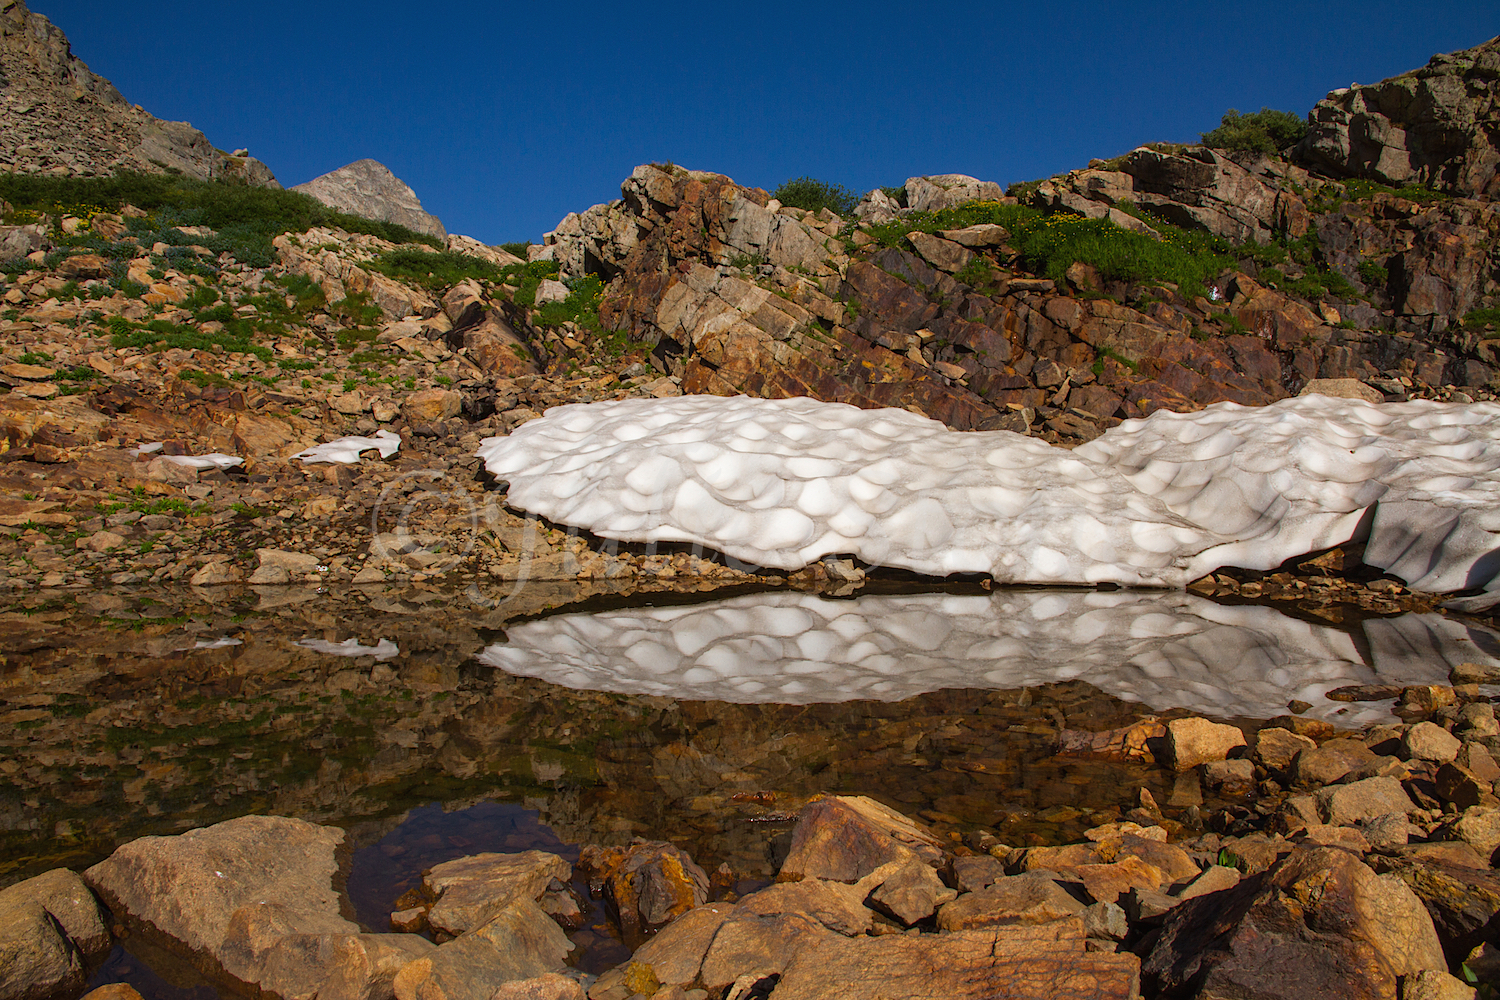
(383, 649)
(1165, 650)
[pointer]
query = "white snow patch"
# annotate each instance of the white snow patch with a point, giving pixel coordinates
(384, 649)
(345, 450)
(1155, 502)
(213, 460)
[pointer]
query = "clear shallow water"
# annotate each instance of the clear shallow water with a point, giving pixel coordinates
(431, 728)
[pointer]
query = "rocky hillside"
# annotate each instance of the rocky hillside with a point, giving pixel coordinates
(368, 188)
(58, 117)
(227, 320)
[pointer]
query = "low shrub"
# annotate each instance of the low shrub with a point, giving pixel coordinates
(1049, 244)
(1264, 131)
(581, 307)
(160, 334)
(1482, 317)
(1373, 274)
(245, 218)
(434, 271)
(814, 195)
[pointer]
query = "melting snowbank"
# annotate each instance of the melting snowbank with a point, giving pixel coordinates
(1166, 650)
(1154, 502)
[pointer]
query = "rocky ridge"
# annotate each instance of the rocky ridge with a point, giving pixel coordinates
(368, 188)
(1435, 125)
(58, 117)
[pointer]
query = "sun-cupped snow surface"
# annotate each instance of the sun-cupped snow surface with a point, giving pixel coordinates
(784, 482)
(1301, 474)
(1166, 650)
(345, 450)
(1158, 501)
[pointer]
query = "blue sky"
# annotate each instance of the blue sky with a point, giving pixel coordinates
(504, 117)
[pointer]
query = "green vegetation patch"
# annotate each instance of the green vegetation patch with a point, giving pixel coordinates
(1265, 131)
(245, 218)
(1050, 244)
(812, 195)
(161, 335)
(580, 308)
(1373, 274)
(1482, 317)
(435, 271)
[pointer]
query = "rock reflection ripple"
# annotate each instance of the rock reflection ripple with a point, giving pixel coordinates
(1165, 650)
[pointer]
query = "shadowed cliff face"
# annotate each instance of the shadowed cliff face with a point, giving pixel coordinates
(57, 116)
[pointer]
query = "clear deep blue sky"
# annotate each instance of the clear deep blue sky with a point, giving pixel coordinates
(504, 117)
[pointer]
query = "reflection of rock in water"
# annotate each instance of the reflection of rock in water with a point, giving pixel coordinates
(1165, 650)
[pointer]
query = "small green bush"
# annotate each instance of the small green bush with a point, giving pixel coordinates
(356, 310)
(1482, 317)
(435, 271)
(516, 249)
(814, 195)
(977, 273)
(1264, 131)
(202, 379)
(1373, 274)
(1049, 244)
(581, 307)
(1230, 322)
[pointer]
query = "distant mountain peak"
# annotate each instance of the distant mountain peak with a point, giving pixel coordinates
(368, 188)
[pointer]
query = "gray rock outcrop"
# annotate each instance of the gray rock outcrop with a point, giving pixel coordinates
(1437, 125)
(368, 188)
(940, 191)
(58, 116)
(1240, 198)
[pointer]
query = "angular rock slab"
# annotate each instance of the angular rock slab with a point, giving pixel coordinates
(49, 926)
(1462, 901)
(1047, 960)
(846, 837)
(521, 942)
(1320, 924)
(227, 894)
(473, 890)
(649, 883)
